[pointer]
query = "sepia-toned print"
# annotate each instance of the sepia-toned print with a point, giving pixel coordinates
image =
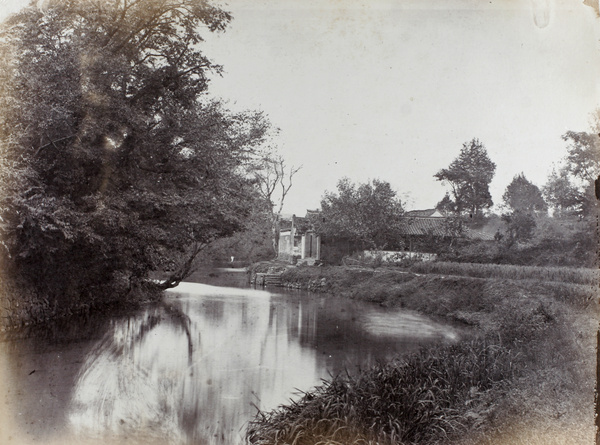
(290, 222)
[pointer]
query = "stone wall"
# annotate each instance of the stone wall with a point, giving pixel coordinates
(390, 256)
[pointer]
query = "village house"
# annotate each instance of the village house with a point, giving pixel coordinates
(424, 233)
(298, 241)
(429, 230)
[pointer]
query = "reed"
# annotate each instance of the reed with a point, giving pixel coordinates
(425, 398)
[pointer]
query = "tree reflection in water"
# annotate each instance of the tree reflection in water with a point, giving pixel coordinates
(190, 371)
(195, 369)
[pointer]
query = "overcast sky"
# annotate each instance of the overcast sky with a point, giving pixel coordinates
(392, 89)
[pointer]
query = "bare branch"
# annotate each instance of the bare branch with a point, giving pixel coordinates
(271, 175)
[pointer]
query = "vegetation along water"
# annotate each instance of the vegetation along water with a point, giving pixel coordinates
(121, 175)
(525, 374)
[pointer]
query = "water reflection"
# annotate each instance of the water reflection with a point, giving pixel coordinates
(195, 369)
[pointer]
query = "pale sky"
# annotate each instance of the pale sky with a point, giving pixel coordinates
(392, 89)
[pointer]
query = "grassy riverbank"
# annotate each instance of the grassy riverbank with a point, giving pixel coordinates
(524, 374)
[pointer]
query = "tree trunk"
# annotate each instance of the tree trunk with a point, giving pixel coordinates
(275, 234)
(184, 270)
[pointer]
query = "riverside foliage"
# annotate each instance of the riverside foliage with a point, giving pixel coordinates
(522, 373)
(114, 162)
(511, 272)
(409, 401)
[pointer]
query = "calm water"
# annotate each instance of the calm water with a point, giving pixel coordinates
(195, 368)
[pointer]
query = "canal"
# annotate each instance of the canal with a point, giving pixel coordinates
(195, 368)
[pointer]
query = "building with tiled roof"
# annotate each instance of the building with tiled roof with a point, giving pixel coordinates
(430, 213)
(422, 231)
(425, 226)
(438, 225)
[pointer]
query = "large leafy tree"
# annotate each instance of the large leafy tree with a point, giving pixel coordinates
(560, 192)
(523, 196)
(520, 226)
(469, 176)
(446, 205)
(252, 244)
(114, 161)
(571, 189)
(583, 155)
(369, 214)
(523, 200)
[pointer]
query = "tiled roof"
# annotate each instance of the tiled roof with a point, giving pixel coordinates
(433, 213)
(301, 224)
(420, 213)
(416, 226)
(423, 226)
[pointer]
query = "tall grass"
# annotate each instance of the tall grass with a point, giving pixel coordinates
(423, 399)
(477, 270)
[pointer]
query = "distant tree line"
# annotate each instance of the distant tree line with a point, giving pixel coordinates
(370, 215)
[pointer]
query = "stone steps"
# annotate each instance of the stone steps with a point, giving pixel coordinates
(267, 279)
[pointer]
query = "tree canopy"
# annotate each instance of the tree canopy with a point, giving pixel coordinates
(114, 160)
(524, 196)
(368, 213)
(571, 188)
(583, 155)
(446, 205)
(520, 226)
(469, 176)
(560, 192)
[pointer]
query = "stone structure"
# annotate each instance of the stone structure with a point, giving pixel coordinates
(298, 241)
